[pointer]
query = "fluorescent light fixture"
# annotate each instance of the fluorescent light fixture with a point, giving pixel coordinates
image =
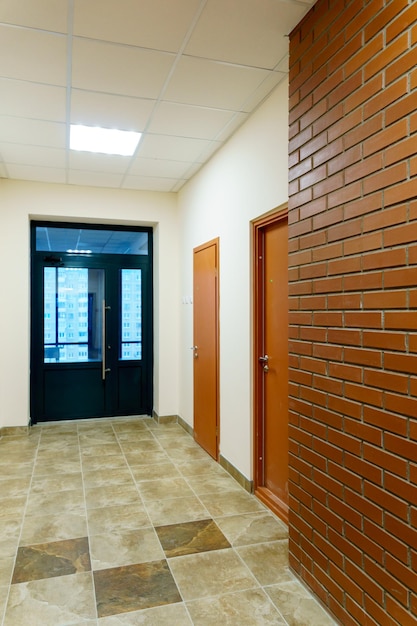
(103, 140)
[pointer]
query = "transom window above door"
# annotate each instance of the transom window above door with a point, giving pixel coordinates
(91, 241)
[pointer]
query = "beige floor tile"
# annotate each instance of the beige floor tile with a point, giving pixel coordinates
(102, 477)
(176, 510)
(11, 487)
(169, 615)
(6, 570)
(124, 548)
(4, 592)
(100, 450)
(108, 463)
(53, 502)
(58, 465)
(210, 574)
(60, 482)
(139, 445)
(117, 518)
(265, 560)
(44, 528)
(52, 602)
(202, 466)
(230, 503)
(10, 529)
(154, 471)
(297, 606)
(144, 458)
(251, 528)
(246, 608)
(217, 484)
(164, 490)
(12, 507)
(111, 495)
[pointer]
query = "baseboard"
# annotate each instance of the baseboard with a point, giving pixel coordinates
(14, 431)
(236, 474)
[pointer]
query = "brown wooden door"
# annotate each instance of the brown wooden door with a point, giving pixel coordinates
(206, 347)
(271, 363)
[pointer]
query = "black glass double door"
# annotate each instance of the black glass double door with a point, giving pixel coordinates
(91, 323)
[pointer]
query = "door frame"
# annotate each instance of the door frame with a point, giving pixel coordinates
(277, 215)
(36, 311)
(216, 243)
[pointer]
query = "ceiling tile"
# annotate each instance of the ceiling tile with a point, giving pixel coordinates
(244, 31)
(32, 132)
(94, 179)
(117, 69)
(149, 183)
(174, 148)
(91, 162)
(160, 24)
(188, 121)
(26, 99)
(98, 109)
(33, 55)
(210, 83)
(45, 14)
(36, 173)
(158, 167)
(27, 155)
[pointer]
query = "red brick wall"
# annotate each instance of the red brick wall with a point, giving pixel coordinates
(353, 308)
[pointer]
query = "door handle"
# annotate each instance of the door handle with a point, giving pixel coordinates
(264, 360)
(104, 369)
(195, 348)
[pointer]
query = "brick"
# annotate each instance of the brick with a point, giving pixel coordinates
(363, 431)
(401, 320)
(344, 336)
(385, 258)
(401, 488)
(389, 502)
(386, 55)
(382, 100)
(402, 277)
(367, 545)
(401, 404)
(328, 153)
(383, 18)
(367, 583)
(345, 195)
(363, 282)
(363, 168)
(344, 301)
(364, 93)
(384, 219)
(344, 159)
(385, 420)
(385, 178)
(363, 206)
(400, 151)
(363, 394)
(400, 362)
(386, 380)
(385, 299)
(348, 86)
(403, 64)
(384, 340)
(363, 52)
(386, 137)
(363, 17)
(344, 266)
(400, 109)
(345, 547)
(332, 251)
(360, 356)
(399, 445)
(345, 407)
(386, 460)
(344, 230)
(363, 319)
(345, 54)
(386, 580)
(362, 131)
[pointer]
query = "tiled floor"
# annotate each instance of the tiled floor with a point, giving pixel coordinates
(127, 522)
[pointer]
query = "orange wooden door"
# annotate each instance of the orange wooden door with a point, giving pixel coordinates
(206, 347)
(271, 365)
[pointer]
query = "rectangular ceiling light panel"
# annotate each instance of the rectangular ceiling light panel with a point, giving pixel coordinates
(103, 140)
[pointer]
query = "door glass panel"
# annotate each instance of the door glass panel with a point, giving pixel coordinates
(91, 241)
(131, 315)
(72, 314)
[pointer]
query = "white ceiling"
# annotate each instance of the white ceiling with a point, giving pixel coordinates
(185, 73)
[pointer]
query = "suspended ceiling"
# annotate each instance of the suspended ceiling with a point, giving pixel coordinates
(185, 73)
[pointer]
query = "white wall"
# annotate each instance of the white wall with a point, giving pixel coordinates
(19, 202)
(245, 179)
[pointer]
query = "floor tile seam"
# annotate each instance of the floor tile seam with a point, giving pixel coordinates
(88, 532)
(22, 520)
(133, 479)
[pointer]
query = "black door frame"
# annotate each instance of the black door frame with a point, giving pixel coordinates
(145, 263)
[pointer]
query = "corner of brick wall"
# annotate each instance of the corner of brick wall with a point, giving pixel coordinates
(353, 308)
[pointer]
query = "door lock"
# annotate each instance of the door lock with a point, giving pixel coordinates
(264, 360)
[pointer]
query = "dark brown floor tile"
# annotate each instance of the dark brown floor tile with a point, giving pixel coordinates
(191, 537)
(48, 560)
(134, 587)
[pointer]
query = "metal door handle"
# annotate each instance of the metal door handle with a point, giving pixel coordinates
(264, 359)
(104, 369)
